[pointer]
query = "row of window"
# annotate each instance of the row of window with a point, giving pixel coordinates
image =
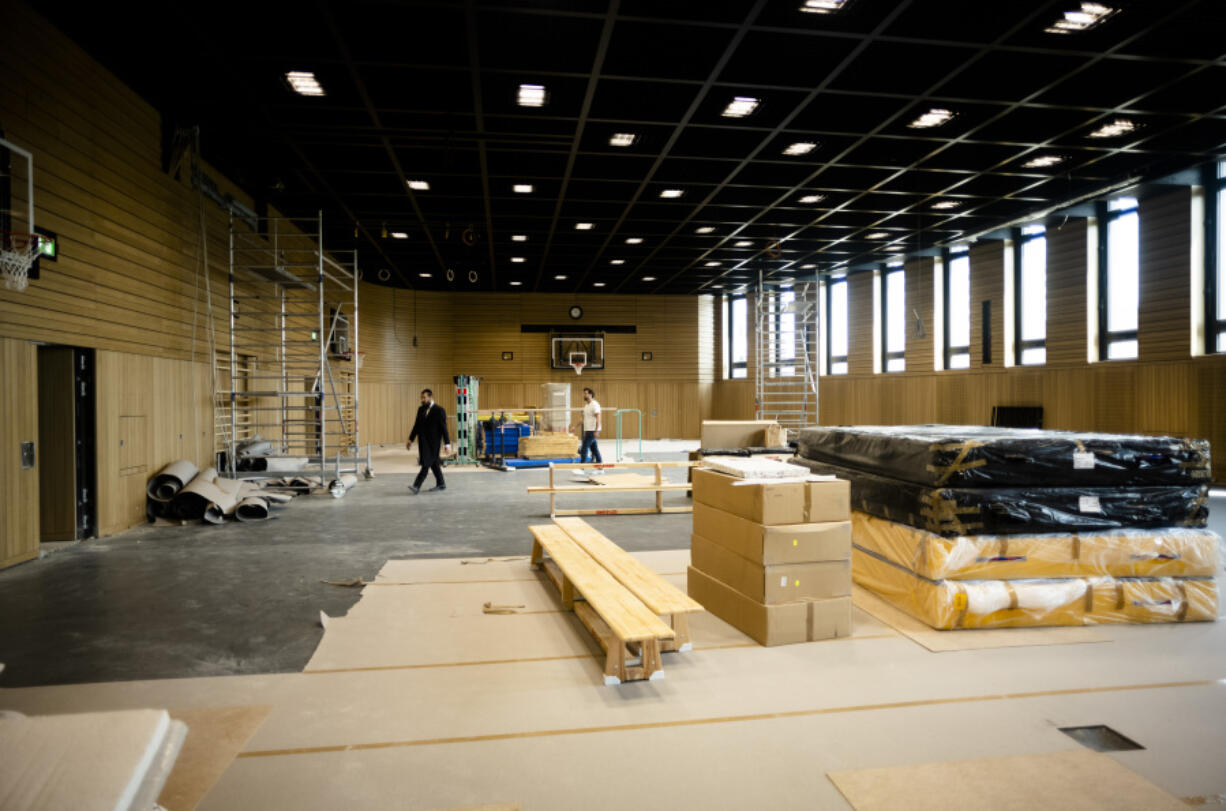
(1118, 296)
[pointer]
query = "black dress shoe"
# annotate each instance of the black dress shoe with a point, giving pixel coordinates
(414, 489)
(440, 487)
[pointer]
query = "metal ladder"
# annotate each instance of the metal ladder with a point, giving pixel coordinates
(785, 352)
(290, 370)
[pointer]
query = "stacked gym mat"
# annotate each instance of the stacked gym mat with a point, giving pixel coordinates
(976, 527)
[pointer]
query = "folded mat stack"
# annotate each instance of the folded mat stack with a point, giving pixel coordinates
(771, 550)
(975, 527)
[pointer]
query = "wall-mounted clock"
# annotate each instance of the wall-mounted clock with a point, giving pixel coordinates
(576, 312)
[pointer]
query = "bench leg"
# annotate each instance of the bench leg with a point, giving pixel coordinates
(568, 594)
(615, 663)
(538, 554)
(681, 634)
(650, 659)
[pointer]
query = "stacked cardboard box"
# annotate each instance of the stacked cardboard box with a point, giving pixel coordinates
(773, 559)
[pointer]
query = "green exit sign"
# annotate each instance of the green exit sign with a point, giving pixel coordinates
(49, 245)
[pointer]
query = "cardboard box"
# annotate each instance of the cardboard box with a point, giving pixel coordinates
(780, 583)
(734, 433)
(774, 503)
(785, 543)
(783, 624)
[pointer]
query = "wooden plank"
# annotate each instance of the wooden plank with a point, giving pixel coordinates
(656, 593)
(630, 620)
(598, 488)
(19, 489)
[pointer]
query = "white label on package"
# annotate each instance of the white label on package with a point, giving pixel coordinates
(1089, 504)
(1083, 460)
(783, 582)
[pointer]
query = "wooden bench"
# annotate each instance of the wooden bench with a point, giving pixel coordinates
(661, 597)
(608, 609)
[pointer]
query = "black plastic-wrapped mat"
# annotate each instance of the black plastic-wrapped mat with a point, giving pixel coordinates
(981, 456)
(954, 511)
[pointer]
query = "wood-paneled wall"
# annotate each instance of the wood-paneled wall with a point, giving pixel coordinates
(422, 340)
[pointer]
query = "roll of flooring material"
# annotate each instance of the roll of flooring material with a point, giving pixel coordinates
(285, 464)
(195, 497)
(170, 480)
(252, 508)
(213, 513)
(275, 499)
(346, 481)
(255, 447)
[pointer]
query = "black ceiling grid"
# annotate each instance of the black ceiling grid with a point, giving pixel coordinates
(426, 91)
(919, 232)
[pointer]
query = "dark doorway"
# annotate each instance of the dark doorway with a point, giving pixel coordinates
(68, 509)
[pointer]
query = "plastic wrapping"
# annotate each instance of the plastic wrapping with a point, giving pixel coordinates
(555, 400)
(1175, 552)
(954, 511)
(979, 456)
(954, 604)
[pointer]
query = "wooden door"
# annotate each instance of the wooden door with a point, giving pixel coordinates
(18, 429)
(57, 464)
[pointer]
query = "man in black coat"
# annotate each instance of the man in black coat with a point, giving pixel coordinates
(431, 428)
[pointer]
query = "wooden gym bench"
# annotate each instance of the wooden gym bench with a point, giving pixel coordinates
(661, 597)
(608, 609)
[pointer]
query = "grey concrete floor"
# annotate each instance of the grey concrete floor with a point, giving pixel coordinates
(172, 602)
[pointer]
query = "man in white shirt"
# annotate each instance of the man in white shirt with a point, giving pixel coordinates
(591, 427)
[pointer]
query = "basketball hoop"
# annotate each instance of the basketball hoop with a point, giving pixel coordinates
(579, 367)
(17, 253)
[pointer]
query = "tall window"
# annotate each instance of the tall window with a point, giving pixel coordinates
(836, 326)
(785, 328)
(1215, 263)
(893, 320)
(1119, 280)
(1030, 299)
(737, 337)
(957, 309)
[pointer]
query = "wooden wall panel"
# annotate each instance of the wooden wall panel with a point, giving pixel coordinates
(988, 284)
(1066, 293)
(860, 323)
(1165, 252)
(19, 489)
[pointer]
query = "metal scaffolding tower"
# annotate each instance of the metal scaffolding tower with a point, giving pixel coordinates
(291, 371)
(785, 350)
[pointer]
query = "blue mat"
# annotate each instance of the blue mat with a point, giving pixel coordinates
(529, 463)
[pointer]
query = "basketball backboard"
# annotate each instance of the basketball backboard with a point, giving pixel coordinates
(568, 348)
(19, 245)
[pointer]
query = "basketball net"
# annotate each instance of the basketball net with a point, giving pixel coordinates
(578, 367)
(17, 254)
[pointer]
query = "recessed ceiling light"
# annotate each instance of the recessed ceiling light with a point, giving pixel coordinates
(741, 106)
(515, 283)
(712, 264)
(617, 261)
(649, 278)
(1082, 19)
(671, 193)
(419, 185)
(822, 6)
(519, 237)
(1043, 161)
(425, 275)
(517, 259)
(561, 277)
(807, 267)
(933, 118)
(622, 139)
(706, 229)
(800, 148)
(809, 199)
(304, 83)
(584, 226)
(877, 235)
(399, 235)
(1120, 126)
(532, 95)
(946, 204)
(522, 188)
(895, 248)
(633, 240)
(597, 284)
(744, 243)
